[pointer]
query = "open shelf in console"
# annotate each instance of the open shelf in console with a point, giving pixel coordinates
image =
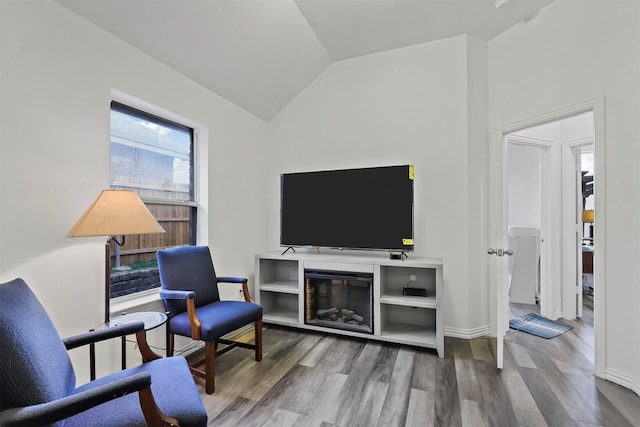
(277, 289)
(394, 279)
(279, 308)
(415, 326)
(278, 275)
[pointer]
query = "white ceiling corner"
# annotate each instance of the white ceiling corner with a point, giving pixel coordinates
(259, 54)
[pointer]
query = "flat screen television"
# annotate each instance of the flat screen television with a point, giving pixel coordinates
(365, 208)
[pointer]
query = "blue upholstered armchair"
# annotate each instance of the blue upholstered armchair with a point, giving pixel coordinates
(191, 298)
(38, 383)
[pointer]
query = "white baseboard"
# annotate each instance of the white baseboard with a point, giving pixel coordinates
(623, 379)
(467, 334)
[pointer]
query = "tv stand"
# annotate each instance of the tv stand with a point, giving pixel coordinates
(397, 317)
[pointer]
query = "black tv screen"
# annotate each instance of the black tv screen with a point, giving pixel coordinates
(366, 208)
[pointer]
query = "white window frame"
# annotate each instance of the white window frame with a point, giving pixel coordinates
(150, 298)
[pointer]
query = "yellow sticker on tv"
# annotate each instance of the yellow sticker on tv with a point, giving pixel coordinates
(411, 172)
(407, 241)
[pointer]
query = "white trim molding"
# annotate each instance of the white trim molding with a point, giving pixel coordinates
(467, 334)
(623, 379)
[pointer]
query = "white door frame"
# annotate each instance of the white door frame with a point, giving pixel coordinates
(597, 106)
(572, 228)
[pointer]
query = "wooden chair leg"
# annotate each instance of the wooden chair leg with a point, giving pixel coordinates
(170, 343)
(209, 366)
(258, 339)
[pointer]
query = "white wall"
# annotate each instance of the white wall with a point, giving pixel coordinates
(477, 179)
(57, 73)
(524, 186)
(407, 105)
(575, 51)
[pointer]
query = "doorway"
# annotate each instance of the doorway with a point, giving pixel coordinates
(544, 207)
(560, 223)
(530, 170)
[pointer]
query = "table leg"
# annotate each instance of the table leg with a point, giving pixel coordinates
(92, 360)
(123, 353)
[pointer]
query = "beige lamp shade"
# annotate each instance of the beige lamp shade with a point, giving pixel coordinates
(588, 216)
(116, 213)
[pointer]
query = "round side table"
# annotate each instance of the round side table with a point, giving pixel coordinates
(151, 320)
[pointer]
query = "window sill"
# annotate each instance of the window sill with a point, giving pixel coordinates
(142, 301)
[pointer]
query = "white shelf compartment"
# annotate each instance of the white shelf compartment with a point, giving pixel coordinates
(280, 308)
(282, 317)
(393, 279)
(409, 334)
(277, 273)
(415, 325)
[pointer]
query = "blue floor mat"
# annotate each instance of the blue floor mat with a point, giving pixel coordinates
(537, 325)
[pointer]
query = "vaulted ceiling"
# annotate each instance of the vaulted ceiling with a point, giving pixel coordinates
(259, 54)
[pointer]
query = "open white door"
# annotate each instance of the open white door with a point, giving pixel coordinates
(498, 265)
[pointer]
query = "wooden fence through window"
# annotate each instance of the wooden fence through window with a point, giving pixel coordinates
(143, 247)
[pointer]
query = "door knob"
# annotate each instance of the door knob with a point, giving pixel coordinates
(500, 252)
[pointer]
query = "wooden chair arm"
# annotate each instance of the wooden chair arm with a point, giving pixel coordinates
(102, 334)
(241, 280)
(193, 319)
(152, 414)
(143, 346)
(245, 292)
(196, 325)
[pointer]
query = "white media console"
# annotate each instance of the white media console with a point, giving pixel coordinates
(414, 320)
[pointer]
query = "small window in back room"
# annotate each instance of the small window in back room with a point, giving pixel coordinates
(154, 157)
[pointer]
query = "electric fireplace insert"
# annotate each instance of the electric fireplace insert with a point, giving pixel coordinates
(339, 300)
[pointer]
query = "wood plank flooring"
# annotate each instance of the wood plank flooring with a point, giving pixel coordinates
(311, 379)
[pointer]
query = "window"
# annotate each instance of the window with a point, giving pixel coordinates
(154, 157)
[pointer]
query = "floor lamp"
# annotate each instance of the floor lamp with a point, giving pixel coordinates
(114, 213)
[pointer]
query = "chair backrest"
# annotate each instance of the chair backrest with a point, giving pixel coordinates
(188, 268)
(34, 363)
